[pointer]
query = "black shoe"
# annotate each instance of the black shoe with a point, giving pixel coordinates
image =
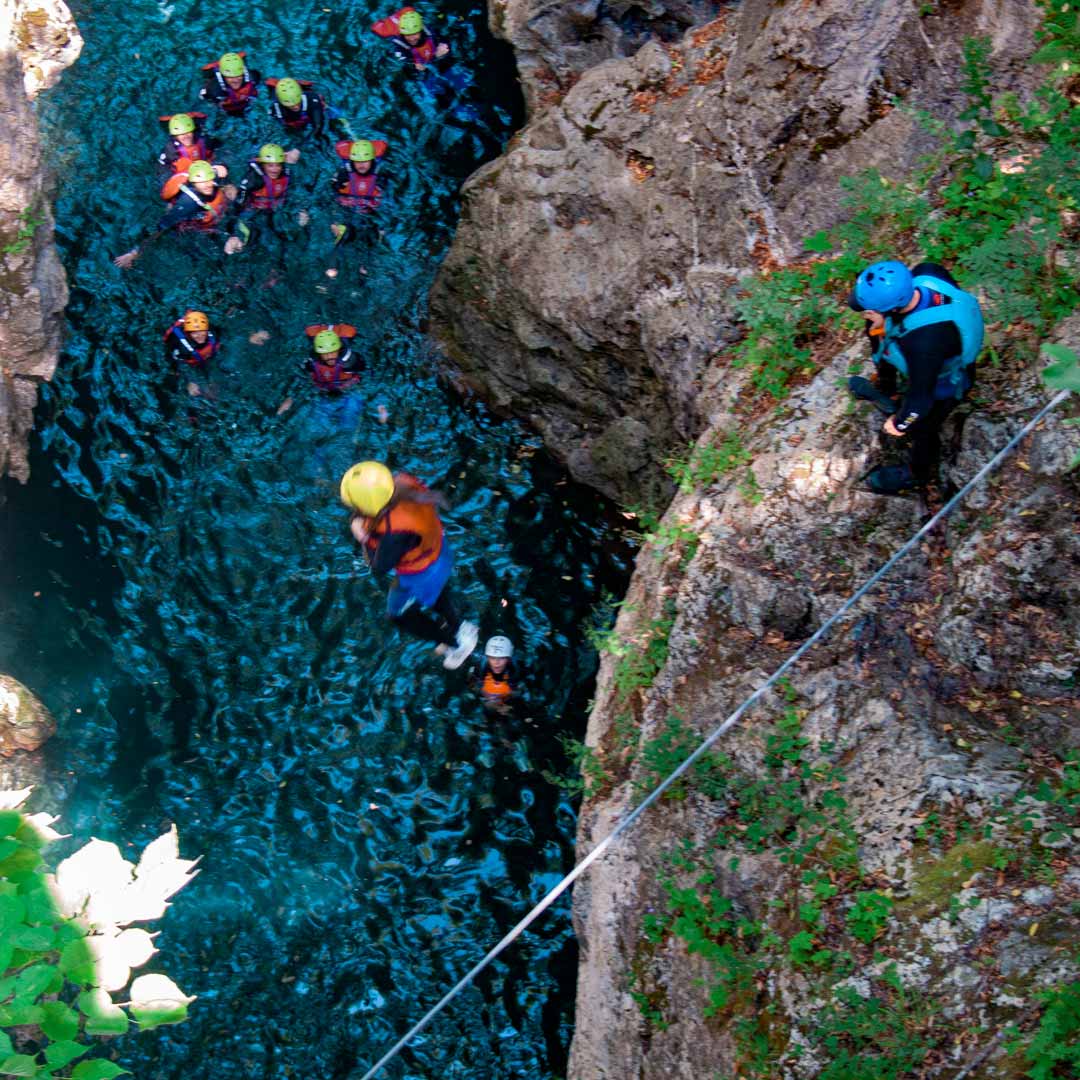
(865, 390)
(891, 480)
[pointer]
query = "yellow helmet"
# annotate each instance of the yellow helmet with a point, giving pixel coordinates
(367, 487)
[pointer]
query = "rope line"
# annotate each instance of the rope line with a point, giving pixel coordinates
(628, 822)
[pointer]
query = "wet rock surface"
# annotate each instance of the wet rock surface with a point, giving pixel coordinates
(25, 723)
(41, 41)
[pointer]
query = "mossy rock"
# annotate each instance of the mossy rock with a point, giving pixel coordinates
(25, 723)
(938, 878)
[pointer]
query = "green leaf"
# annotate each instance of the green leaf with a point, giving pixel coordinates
(819, 242)
(20, 863)
(58, 1054)
(40, 906)
(17, 1015)
(10, 820)
(32, 982)
(984, 167)
(99, 1069)
(18, 1065)
(1064, 373)
(103, 1015)
(12, 912)
(7, 846)
(993, 128)
(5, 1045)
(61, 1021)
(33, 938)
(77, 962)
(965, 140)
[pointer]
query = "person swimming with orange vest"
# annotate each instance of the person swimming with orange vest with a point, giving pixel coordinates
(395, 520)
(412, 42)
(495, 677)
(333, 365)
(197, 203)
(187, 142)
(230, 84)
(190, 345)
(356, 183)
(262, 192)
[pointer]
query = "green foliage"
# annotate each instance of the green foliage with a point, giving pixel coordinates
(49, 973)
(29, 221)
(1054, 1049)
(990, 204)
(639, 661)
(664, 536)
(869, 915)
(587, 774)
(871, 1038)
(707, 462)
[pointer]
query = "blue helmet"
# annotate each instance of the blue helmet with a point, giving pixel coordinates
(883, 286)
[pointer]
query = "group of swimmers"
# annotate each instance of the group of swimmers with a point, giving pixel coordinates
(395, 517)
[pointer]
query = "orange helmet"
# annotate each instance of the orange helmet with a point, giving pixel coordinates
(195, 320)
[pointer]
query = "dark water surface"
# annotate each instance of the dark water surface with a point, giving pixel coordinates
(176, 583)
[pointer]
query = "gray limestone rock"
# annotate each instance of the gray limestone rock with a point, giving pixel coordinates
(25, 723)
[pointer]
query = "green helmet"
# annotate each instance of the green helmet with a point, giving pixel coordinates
(362, 150)
(181, 124)
(327, 341)
(271, 154)
(231, 65)
(289, 93)
(200, 171)
(411, 23)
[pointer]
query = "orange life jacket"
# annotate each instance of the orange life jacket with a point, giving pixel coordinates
(415, 517)
(213, 209)
(272, 193)
(390, 27)
(496, 685)
(193, 355)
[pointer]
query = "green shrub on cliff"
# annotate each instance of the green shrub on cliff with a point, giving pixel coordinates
(67, 947)
(999, 203)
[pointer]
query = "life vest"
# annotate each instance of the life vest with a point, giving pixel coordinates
(213, 209)
(192, 354)
(360, 191)
(497, 686)
(271, 195)
(938, 302)
(197, 151)
(236, 101)
(293, 119)
(415, 517)
(422, 53)
(331, 375)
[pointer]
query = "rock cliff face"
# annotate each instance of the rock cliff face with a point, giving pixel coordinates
(591, 281)
(880, 863)
(37, 41)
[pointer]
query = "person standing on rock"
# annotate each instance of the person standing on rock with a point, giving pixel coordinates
(926, 331)
(396, 522)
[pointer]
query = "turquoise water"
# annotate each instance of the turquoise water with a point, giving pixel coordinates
(177, 583)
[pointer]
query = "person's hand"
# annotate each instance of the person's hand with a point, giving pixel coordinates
(384, 414)
(442, 49)
(303, 218)
(124, 261)
(233, 245)
(359, 531)
(193, 389)
(874, 318)
(221, 171)
(260, 337)
(284, 407)
(890, 428)
(292, 156)
(418, 65)
(231, 192)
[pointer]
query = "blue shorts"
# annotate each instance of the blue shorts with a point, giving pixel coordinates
(422, 589)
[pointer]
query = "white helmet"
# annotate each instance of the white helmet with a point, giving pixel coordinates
(499, 646)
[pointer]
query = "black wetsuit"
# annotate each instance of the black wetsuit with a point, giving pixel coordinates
(295, 120)
(441, 623)
(175, 150)
(919, 414)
